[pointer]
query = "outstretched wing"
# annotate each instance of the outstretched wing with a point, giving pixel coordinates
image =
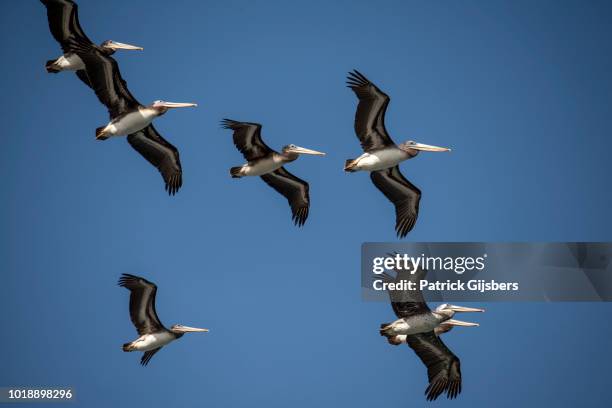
(148, 355)
(63, 17)
(142, 303)
(294, 189)
(404, 195)
(247, 138)
(106, 80)
(443, 367)
(161, 154)
(370, 115)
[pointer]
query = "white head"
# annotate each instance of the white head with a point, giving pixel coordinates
(413, 148)
(111, 46)
(180, 329)
(162, 106)
(293, 149)
(446, 311)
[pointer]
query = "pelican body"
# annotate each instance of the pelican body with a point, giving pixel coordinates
(271, 162)
(70, 61)
(136, 119)
(390, 156)
(63, 18)
(153, 334)
(268, 164)
(382, 156)
(420, 328)
(427, 321)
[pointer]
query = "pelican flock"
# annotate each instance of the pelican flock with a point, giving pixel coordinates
(416, 325)
(420, 327)
(382, 156)
(268, 164)
(153, 334)
(98, 70)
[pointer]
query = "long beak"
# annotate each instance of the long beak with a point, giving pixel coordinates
(121, 46)
(464, 309)
(303, 150)
(187, 329)
(453, 322)
(429, 148)
(172, 105)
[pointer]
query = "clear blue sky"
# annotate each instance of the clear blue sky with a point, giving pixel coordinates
(520, 90)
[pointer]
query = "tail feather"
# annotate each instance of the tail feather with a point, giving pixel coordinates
(383, 329)
(101, 134)
(349, 165)
(51, 67)
(395, 340)
(236, 172)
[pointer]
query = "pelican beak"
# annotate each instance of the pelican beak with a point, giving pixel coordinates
(464, 309)
(303, 150)
(453, 322)
(187, 329)
(173, 105)
(429, 148)
(121, 46)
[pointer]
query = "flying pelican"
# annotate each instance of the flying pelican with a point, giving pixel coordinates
(64, 24)
(267, 163)
(382, 156)
(420, 328)
(153, 334)
(129, 117)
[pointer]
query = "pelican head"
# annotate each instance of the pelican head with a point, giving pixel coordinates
(111, 46)
(180, 329)
(446, 312)
(162, 107)
(292, 150)
(413, 148)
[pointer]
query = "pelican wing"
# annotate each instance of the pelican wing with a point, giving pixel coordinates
(82, 75)
(161, 154)
(370, 115)
(404, 195)
(106, 81)
(142, 303)
(443, 367)
(148, 355)
(406, 303)
(63, 17)
(294, 189)
(247, 138)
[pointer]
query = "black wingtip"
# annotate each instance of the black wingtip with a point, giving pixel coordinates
(300, 216)
(228, 123)
(174, 184)
(404, 226)
(126, 278)
(356, 79)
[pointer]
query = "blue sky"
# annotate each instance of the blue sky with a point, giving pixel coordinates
(520, 91)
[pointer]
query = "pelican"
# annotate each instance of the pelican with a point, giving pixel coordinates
(153, 334)
(129, 117)
(64, 24)
(382, 156)
(420, 328)
(268, 164)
